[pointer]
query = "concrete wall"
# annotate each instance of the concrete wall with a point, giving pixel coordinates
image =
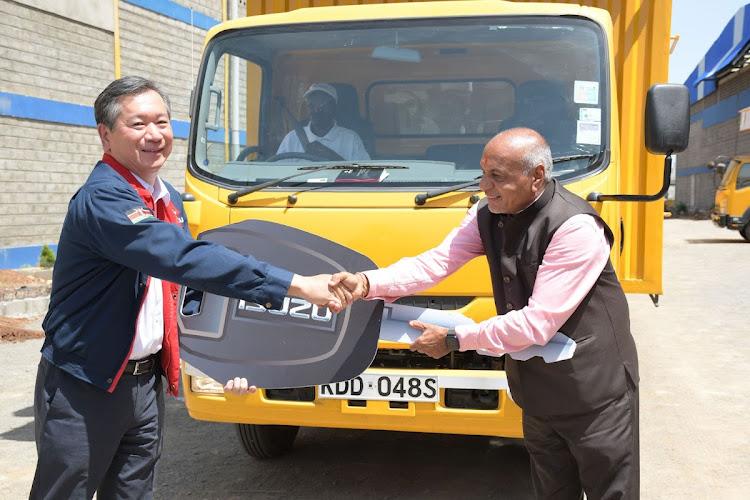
(56, 56)
(51, 60)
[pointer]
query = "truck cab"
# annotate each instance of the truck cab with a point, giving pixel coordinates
(422, 86)
(732, 207)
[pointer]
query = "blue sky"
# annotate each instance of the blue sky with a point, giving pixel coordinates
(698, 23)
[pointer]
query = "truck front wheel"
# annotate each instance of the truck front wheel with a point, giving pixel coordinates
(745, 231)
(267, 441)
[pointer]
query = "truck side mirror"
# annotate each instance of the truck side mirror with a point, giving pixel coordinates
(720, 167)
(667, 118)
(720, 164)
(667, 132)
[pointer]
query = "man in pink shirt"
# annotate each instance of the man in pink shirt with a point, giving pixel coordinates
(548, 253)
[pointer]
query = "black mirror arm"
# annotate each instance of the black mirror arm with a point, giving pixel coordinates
(597, 196)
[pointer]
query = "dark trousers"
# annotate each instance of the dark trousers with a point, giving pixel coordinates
(89, 440)
(596, 452)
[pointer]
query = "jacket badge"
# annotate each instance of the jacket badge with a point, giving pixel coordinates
(138, 214)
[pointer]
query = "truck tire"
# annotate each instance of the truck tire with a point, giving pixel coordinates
(745, 231)
(267, 441)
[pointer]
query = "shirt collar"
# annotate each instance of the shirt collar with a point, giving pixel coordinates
(510, 216)
(331, 135)
(520, 223)
(535, 199)
(158, 190)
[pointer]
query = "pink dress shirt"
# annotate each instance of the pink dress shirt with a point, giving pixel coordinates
(572, 263)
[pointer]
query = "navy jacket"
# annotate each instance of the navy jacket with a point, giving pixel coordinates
(104, 259)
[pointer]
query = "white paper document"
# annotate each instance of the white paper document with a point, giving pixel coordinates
(395, 328)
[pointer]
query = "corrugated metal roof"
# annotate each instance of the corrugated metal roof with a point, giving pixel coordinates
(730, 52)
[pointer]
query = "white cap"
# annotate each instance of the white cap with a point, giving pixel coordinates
(323, 87)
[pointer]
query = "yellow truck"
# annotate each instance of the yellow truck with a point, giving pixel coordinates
(732, 208)
(424, 85)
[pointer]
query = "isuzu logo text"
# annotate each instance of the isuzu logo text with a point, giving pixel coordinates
(294, 310)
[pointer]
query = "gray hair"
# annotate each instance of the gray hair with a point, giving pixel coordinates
(107, 105)
(538, 154)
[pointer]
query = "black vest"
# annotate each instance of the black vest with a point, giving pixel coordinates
(605, 355)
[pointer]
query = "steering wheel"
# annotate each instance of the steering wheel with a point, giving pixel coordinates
(247, 151)
(296, 155)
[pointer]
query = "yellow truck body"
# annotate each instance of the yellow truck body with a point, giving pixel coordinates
(430, 83)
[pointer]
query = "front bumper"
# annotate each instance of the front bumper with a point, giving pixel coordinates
(504, 420)
(728, 221)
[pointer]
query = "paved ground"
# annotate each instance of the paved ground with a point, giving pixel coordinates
(694, 352)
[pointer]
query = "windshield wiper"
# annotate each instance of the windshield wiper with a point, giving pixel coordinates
(592, 156)
(234, 197)
(421, 198)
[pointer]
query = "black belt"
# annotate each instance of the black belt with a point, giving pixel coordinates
(142, 366)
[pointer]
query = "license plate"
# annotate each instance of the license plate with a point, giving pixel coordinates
(383, 387)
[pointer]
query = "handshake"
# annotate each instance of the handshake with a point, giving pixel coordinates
(337, 292)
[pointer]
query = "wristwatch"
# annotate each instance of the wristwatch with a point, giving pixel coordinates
(451, 340)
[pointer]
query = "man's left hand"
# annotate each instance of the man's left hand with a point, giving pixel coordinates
(432, 340)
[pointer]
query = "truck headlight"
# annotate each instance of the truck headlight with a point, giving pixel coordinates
(205, 385)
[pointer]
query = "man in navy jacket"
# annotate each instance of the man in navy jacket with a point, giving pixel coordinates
(111, 328)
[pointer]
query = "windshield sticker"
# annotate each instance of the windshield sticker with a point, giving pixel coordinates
(590, 114)
(589, 132)
(138, 214)
(586, 92)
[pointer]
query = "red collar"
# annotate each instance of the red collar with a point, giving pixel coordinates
(147, 198)
(171, 214)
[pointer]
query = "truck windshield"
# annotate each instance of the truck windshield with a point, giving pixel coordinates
(728, 176)
(427, 96)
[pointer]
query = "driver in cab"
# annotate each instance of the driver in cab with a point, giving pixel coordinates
(323, 137)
